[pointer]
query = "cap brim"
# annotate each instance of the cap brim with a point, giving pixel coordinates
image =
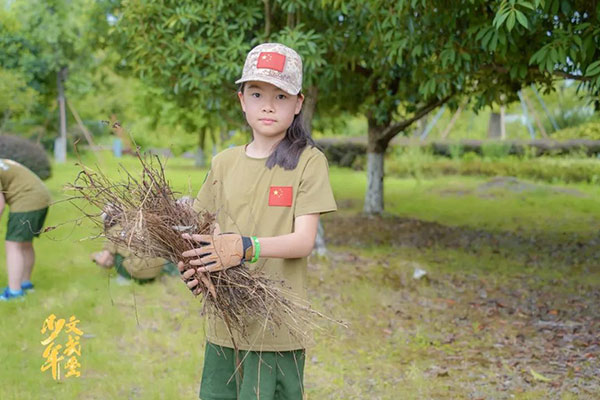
(286, 87)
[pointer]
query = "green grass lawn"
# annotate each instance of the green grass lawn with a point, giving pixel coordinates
(440, 337)
(457, 200)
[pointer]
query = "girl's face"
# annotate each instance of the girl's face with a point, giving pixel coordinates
(269, 110)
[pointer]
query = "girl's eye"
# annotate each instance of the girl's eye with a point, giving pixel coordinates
(256, 95)
(281, 96)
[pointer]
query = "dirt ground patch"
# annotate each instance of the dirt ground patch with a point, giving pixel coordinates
(473, 335)
(564, 249)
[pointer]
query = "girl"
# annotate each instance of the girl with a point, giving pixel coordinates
(271, 192)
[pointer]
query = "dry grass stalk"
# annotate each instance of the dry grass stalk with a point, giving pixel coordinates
(151, 221)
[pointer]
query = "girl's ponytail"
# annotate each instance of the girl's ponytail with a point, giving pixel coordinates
(288, 151)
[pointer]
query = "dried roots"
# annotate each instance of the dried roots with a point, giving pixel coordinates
(143, 215)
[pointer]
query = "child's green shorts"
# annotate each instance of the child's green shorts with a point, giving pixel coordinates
(281, 375)
(23, 226)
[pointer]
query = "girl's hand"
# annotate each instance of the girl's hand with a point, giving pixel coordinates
(190, 277)
(216, 252)
(103, 258)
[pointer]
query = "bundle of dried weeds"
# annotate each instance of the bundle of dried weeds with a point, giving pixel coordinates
(150, 222)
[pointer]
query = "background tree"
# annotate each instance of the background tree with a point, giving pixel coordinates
(394, 62)
(48, 41)
(16, 98)
(195, 51)
(406, 58)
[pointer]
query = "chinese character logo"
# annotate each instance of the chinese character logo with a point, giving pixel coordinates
(54, 352)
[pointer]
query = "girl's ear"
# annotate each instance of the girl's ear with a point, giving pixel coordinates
(299, 102)
(241, 97)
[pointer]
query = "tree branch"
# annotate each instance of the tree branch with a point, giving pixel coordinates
(571, 76)
(267, 19)
(504, 70)
(392, 130)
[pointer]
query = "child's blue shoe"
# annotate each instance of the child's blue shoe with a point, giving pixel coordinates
(27, 286)
(8, 295)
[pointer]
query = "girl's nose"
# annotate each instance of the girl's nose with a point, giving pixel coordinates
(268, 106)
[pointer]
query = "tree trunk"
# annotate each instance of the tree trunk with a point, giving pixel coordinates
(502, 123)
(374, 195)
(375, 152)
(320, 248)
(86, 133)
(60, 149)
(267, 19)
(308, 113)
(200, 160)
(308, 109)
(495, 126)
(5, 120)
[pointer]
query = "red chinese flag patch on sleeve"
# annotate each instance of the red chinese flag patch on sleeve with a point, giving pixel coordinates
(280, 196)
(271, 60)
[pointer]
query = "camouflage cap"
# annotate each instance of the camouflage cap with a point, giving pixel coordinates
(276, 64)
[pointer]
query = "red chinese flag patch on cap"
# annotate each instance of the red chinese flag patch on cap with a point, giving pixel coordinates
(271, 60)
(280, 196)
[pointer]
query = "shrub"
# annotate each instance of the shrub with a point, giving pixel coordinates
(495, 150)
(589, 130)
(341, 153)
(26, 152)
(456, 151)
(542, 169)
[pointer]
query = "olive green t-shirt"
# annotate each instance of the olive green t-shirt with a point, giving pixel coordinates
(138, 268)
(252, 200)
(22, 189)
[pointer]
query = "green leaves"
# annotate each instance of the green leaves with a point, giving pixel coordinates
(37, 38)
(509, 14)
(380, 57)
(427, 88)
(510, 21)
(15, 96)
(522, 19)
(593, 69)
(448, 56)
(546, 58)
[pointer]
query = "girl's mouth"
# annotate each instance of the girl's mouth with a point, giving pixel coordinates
(267, 121)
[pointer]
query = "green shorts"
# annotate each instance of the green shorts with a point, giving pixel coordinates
(23, 226)
(265, 375)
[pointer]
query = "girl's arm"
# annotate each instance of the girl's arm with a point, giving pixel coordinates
(293, 245)
(220, 251)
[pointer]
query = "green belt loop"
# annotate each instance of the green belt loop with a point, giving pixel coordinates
(256, 249)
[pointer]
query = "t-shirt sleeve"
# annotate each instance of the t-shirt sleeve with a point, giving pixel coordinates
(314, 191)
(205, 200)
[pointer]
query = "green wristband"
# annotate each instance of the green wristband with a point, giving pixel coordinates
(256, 249)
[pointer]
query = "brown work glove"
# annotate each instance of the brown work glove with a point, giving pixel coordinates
(217, 252)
